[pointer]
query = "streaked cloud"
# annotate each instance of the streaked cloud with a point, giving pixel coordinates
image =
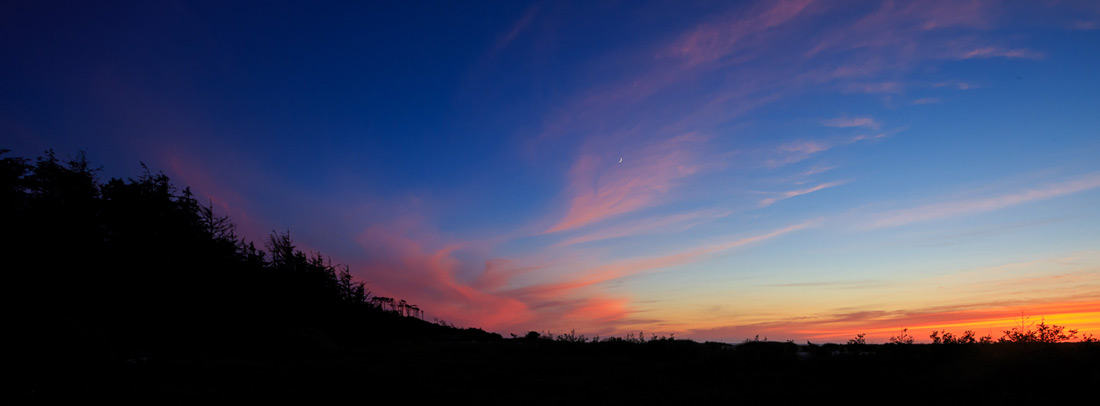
(649, 225)
(879, 87)
(716, 40)
(518, 28)
(628, 267)
(981, 205)
(602, 188)
(787, 195)
(599, 310)
(818, 169)
(994, 52)
(846, 122)
(1086, 25)
(958, 85)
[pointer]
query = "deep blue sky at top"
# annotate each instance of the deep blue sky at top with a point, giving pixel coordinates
(289, 81)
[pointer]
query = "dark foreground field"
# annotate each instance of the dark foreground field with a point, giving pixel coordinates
(469, 366)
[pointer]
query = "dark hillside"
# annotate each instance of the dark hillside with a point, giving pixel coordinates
(101, 273)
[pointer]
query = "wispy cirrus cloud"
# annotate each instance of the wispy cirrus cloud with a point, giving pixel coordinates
(714, 41)
(649, 225)
(879, 87)
(1086, 25)
(981, 205)
(800, 150)
(796, 151)
(818, 169)
(518, 28)
(957, 84)
(787, 195)
(602, 188)
(995, 52)
(624, 268)
(898, 27)
(847, 122)
(408, 260)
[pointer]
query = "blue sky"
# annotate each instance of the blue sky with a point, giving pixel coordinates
(794, 169)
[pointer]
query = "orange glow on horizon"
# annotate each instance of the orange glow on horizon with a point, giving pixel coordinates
(1081, 316)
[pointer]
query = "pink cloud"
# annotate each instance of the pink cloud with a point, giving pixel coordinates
(599, 310)
(926, 100)
(404, 268)
(981, 205)
(898, 26)
(724, 37)
(603, 188)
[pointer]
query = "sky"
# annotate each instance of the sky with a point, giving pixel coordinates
(717, 170)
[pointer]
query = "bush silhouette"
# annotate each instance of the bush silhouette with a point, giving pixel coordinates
(858, 339)
(968, 337)
(902, 338)
(1026, 332)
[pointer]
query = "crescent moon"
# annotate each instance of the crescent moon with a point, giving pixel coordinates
(620, 159)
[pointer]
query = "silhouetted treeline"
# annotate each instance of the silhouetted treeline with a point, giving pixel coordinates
(128, 269)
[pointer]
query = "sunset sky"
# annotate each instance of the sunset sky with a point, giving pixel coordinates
(802, 170)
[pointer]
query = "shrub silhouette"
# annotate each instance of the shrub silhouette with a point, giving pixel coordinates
(968, 337)
(902, 338)
(1026, 332)
(572, 337)
(858, 339)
